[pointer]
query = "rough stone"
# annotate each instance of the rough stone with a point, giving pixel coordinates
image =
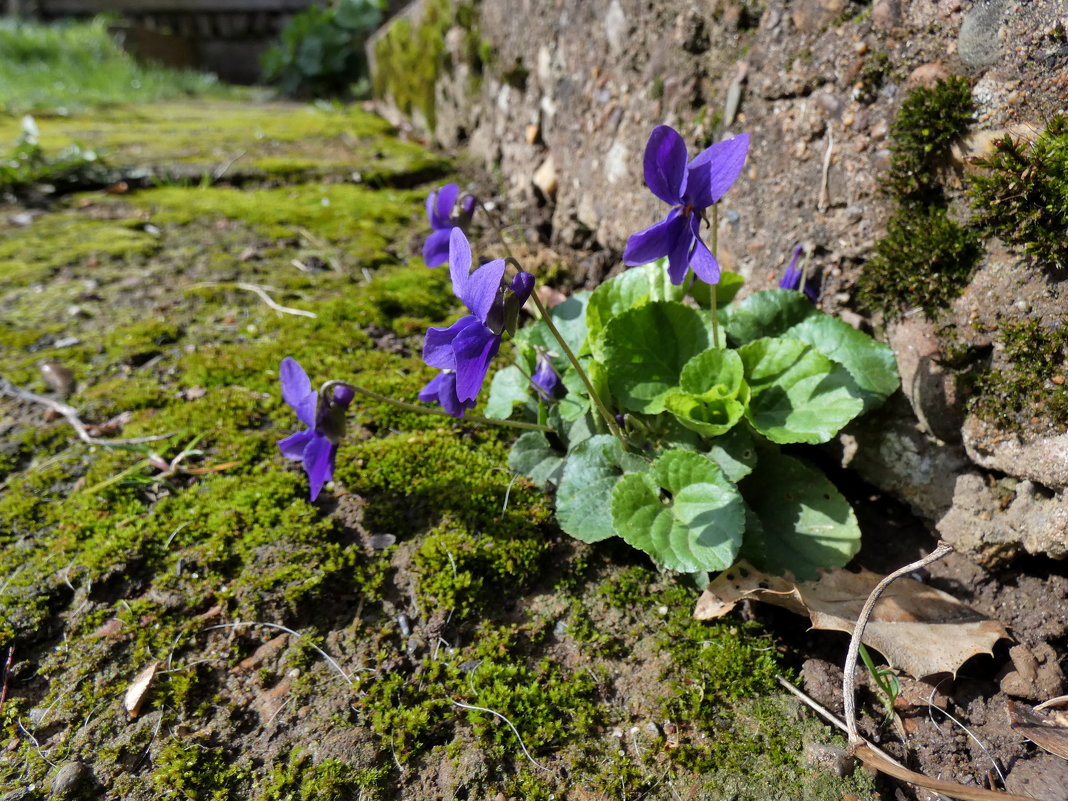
(977, 43)
(1042, 459)
(994, 521)
(73, 780)
(929, 387)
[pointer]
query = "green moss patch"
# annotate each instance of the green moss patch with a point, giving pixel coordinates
(1022, 196)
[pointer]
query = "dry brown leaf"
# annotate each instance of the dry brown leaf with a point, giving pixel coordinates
(917, 628)
(1047, 731)
(138, 690)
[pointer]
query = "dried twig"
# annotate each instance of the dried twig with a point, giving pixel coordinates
(261, 293)
(824, 198)
(849, 699)
(864, 752)
(71, 414)
(224, 168)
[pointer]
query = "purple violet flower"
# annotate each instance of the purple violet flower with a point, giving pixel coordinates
(690, 188)
(465, 349)
(791, 279)
(316, 447)
(546, 380)
(443, 215)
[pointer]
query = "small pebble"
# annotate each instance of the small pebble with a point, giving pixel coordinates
(405, 625)
(70, 779)
(58, 378)
(380, 541)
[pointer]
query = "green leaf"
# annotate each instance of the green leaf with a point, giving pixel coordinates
(508, 387)
(683, 512)
(712, 393)
(766, 314)
(807, 524)
(728, 286)
(584, 498)
(870, 363)
(798, 394)
(534, 457)
(570, 320)
(735, 452)
(628, 290)
(646, 349)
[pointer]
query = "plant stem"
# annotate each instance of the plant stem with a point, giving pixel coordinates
(412, 407)
(712, 289)
(609, 420)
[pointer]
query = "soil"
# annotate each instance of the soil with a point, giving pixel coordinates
(424, 597)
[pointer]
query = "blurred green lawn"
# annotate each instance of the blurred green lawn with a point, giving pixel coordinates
(70, 66)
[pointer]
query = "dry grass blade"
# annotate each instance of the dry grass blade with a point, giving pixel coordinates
(866, 755)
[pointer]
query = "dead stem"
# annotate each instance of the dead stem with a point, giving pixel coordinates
(71, 415)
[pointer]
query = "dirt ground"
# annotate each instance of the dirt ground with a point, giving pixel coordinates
(180, 622)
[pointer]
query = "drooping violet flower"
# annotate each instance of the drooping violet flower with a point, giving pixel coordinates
(465, 349)
(791, 279)
(444, 216)
(546, 380)
(316, 447)
(690, 188)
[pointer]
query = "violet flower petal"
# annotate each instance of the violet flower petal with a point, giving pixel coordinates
(679, 257)
(522, 286)
(545, 379)
(438, 345)
(442, 390)
(715, 169)
(482, 288)
(459, 261)
(475, 348)
(703, 263)
(665, 164)
(655, 241)
(292, 447)
(439, 206)
(319, 463)
(436, 248)
(297, 390)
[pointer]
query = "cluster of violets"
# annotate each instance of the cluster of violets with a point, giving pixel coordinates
(463, 351)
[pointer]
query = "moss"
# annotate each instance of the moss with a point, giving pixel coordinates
(928, 122)
(33, 253)
(282, 140)
(1023, 195)
(1028, 378)
(872, 76)
(369, 221)
(193, 770)
(411, 55)
(299, 779)
(138, 342)
(925, 260)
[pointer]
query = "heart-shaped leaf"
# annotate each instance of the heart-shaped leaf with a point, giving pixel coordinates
(870, 363)
(534, 457)
(584, 498)
(806, 523)
(766, 314)
(712, 392)
(683, 512)
(798, 394)
(508, 387)
(646, 349)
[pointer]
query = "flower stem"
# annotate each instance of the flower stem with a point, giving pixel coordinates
(714, 236)
(412, 407)
(609, 420)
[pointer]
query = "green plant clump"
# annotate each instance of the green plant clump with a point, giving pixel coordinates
(1031, 379)
(1023, 196)
(70, 66)
(925, 260)
(927, 123)
(321, 49)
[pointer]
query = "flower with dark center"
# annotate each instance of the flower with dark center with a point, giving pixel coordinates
(444, 216)
(465, 349)
(690, 188)
(791, 279)
(323, 413)
(546, 380)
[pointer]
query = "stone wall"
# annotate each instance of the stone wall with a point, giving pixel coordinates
(560, 96)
